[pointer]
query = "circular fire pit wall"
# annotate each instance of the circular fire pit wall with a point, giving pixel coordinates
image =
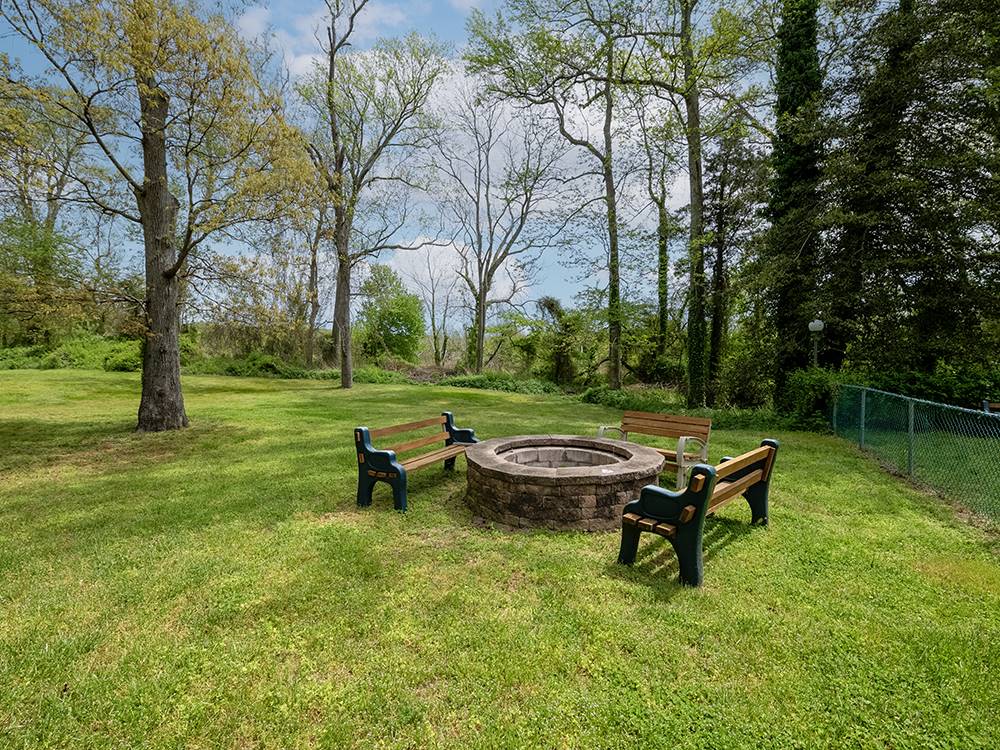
(557, 481)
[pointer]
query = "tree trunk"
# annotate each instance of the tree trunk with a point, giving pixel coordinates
(720, 311)
(662, 277)
(696, 309)
(614, 278)
(342, 320)
(480, 332)
(313, 289)
(162, 403)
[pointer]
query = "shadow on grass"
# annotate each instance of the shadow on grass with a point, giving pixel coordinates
(656, 564)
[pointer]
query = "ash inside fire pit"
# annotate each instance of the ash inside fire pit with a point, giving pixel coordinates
(557, 481)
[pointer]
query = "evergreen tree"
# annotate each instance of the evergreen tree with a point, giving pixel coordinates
(794, 241)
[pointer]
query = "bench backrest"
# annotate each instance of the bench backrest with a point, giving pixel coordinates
(666, 425)
(420, 442)
(991, 407)
(750, 468)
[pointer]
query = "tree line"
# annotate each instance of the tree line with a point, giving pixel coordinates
(718, 174)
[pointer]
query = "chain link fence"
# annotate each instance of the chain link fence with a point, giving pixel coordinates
(953, 450)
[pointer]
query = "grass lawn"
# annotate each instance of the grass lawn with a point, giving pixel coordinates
(217, 587)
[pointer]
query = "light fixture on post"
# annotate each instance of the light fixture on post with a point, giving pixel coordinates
(816, 328)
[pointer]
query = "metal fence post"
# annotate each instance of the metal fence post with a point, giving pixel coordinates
(909, 442)
(861, 431)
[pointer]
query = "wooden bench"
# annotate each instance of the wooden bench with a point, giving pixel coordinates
(991, 407)
(680, 516)
(376, 465)
(687, 431)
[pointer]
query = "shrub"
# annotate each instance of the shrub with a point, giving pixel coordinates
(21, 357)
(378, 376)
(496, 381)
(125, 357)
(666, 401)
(808, 398)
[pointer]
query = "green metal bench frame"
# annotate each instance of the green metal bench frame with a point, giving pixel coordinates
(376, 465)
(680, 516)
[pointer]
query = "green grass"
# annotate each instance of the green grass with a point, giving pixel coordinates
(217, 587)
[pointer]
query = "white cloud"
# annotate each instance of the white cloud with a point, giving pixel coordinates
(254, 21)
(298, 35)
(464, 5)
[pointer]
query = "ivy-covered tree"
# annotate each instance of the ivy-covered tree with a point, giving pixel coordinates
(793, 247)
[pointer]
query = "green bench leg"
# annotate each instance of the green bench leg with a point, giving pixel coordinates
(399, 491)
(630, 545)
(687, 546)
(365, 486)
(449, 463)
(756, 498)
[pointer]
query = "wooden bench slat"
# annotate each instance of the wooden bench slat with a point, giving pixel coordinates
(631, 518)
(647, 524)
(723, 470)
(655, 417)
(429, 458)
(667, 421)
(665, 529)
(726, 491)
(397, 428)
(419, 442)
(664, 429)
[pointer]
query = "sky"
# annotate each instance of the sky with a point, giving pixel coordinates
(294, 24)
(293, 27)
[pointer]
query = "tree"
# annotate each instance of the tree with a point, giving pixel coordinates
(372, 106)
(658, 143)
(169, 101)
(736, 176)
(795, 198)
(437, 282)
(391, 320)
(568, 57)
(913, 174)
(498, 175)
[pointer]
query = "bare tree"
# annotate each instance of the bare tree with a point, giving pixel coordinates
(569, 57)
(372, 106)
(437, 283)
(500, 186)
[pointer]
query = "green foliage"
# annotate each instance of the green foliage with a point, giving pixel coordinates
(808, 398)
(22, 357)
(379, 376)
(672, 402)
(391, 321)
(499, 381)
(964, 385)
(88, 351)
(126, 356)
(37, 301)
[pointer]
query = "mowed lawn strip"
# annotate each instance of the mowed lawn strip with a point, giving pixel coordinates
(218, 587)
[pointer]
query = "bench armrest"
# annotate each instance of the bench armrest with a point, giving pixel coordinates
(682, 448)
(456, 434)
(371, 457)
(666, 505)
(604, 429)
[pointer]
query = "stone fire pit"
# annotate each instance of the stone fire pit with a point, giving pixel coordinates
(557, 481)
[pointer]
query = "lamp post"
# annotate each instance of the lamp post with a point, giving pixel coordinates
(816, 328)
